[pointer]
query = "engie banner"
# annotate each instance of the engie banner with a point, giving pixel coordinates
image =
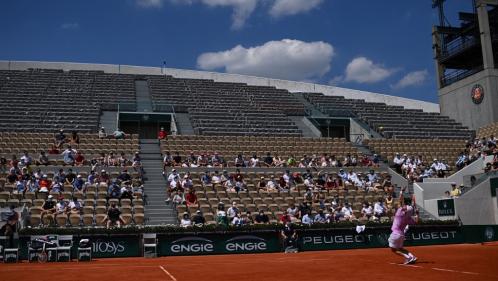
(217, 243)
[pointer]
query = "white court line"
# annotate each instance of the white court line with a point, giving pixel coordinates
(407, 265)
(466, 272)
(169, 274)
(74, 267)
(442, 269)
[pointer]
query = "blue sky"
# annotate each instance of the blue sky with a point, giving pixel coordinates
(380, 46)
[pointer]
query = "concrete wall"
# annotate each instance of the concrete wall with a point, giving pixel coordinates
(431, 207)
(291, 86)
(456, 102)
(474, 168)
(356, 129)
(477, 207)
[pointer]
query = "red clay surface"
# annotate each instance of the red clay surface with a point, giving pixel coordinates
(452, 262)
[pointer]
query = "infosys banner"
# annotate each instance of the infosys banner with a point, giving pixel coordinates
(212, 243)
(110, 246)
(376, 237)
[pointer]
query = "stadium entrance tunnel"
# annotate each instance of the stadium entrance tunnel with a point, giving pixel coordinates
(145, 124)
(333, 127)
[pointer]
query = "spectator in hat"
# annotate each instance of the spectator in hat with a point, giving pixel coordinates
(102, 133)
(59, 138)
(198, 219)
(79, 184)
(48, 210)
(185, 221)
(162, 134)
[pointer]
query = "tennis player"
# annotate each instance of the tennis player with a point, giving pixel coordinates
(404, 216)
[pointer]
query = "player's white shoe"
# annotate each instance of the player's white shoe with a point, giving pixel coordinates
(410, 260)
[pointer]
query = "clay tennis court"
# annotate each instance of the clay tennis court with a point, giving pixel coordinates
(451, 262)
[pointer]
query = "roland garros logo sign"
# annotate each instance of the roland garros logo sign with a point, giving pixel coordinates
(477, 94)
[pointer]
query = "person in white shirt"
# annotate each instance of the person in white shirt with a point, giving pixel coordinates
(254, 161)
(26, 159)
(353, 178)
(379, 209)
(178, 198)
(102, 133)
(398, 161)
(216, 177)
(237, 221)
(271, 185)
(347, 211)
(292, 211)
(367, 210)
(185, 222)
(232, 211)
(306, 219)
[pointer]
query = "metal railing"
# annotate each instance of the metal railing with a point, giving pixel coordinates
(458, 75)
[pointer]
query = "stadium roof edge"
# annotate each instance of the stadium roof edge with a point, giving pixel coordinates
(292, 86)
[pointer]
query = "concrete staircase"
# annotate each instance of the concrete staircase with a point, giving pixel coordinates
(311, 109)
(157, 211)
(144, 102)
(183, 124)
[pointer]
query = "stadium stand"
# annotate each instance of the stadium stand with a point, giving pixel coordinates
(392, 121)
(487, 131)
(52, 99)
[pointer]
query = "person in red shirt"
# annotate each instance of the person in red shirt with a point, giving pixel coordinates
(285, 218)
(79, 159)
(191, 198)
(162, 134)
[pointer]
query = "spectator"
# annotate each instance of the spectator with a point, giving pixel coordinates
(79, 160)
(254, 161)
(239, 161)
(126, 192)
(113, 216)
(102, 133)
(122, 160)
(26, 159)
(10, 226)
(306, 219)
(191, 199)
(114, 190)
(69, 155)
(198, 219)
(206, 179)
(185, 221)
(289, 237)
(79, 184)
(75, 206)
(268, 161)
(75, 138)
(216, 179)
(167, 160)
(320, 217)
(70, 177)
(48, 211)
(347, 212)
(221, 215)
(247, 219)
(367, 211)
(397, 163)
(162, 134)
(119, 134)
(59, 139)
(455, 191)
(379, 209)
(178, 198)
(447, 195)
(232, 211)
(237, 220)
(177, 159)
(262, 218)
(285, 218)
(293, 211)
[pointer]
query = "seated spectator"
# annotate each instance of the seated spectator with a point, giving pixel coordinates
(198, 219)
(59, 139)
(62, 208)
(70, 177)
(69, 155)
(119, 134)
(122, 160)
(278, 161)
(178, 198)
(191, 198)
(177, 159)
(114, 190)
(113, 216)
(126, 192)
(397, 163)
(26, 159)
(367, 211)
(237, 220)
(206, 179)
(185, 221)
(271, 185)
(79, 184)
(239, 161)
(262, 218)
(162, 134)
(3, 164)
(293, 211)
(306, 219)
(111, 160)
(379, 209)
(232, 211)
(102, 133)
(254, 161)
(247, 218)
(221, 215)
(75, 206)
(124, 177)
(268, 161)
(389, 203)
(216, 160)
(320, 217)
(44, 184)
(167, 160)
(447, 195)
(48, 211)
(104, 178)
(74, 139)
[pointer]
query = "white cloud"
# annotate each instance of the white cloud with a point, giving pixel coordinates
(285, 59)
(413, 78)
(70, 25)
(150, 3)
(363, 70)
(293, 7)
(242, 9)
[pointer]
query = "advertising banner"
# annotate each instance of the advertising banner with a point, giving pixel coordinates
(446, 207)
(212, 243)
